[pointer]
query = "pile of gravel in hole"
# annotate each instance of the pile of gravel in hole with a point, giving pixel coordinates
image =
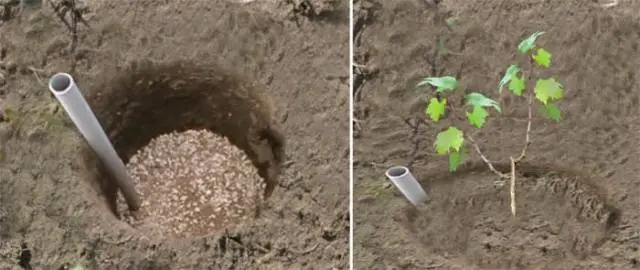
(192, 183)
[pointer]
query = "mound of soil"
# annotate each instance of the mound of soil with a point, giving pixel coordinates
(47, 200)
(193, 183)
(581, 217)
(468, 216)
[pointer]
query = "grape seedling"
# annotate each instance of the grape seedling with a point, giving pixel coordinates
(453, 141)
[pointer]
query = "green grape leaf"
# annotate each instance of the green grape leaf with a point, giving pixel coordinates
(456, 158)
(477, 99)
(551, 111)
(446, 83)
(450, 139)
(529, 42)
(478, 116)
(548, 89)
(511, 73)
(435, 109)
(542, 57)
(516, 85)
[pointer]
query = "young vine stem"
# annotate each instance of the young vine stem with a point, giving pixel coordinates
(527, 142)
(527, 139)
(476, 147)
(512, 189)
(484, 158)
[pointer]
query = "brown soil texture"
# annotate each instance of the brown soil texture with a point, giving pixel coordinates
(287, 54)
(577, 189)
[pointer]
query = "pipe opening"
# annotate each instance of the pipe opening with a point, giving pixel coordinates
(200, 143)
(60, 82)
(397, 171)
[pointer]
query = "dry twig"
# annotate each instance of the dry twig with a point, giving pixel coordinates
(302, 252)
(415, 140)
(36, 72)
(61, 9)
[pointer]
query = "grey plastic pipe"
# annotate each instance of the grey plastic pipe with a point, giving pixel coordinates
(68, 94)
(407, 184)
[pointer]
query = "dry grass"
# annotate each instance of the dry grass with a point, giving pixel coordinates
(193, 183)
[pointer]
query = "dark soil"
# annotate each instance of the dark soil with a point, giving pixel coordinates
(576, 192)
(270, 67)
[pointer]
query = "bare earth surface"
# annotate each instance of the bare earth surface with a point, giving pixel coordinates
(299, 55)
(577, 191)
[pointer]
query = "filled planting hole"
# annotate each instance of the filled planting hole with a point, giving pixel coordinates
(199, 143)
(560, 213)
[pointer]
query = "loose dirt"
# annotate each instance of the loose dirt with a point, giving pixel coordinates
(260, 73)
(576, 192)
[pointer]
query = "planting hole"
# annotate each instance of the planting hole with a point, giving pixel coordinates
(199, 143)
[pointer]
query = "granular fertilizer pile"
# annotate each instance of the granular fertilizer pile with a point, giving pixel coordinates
(193, 183)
